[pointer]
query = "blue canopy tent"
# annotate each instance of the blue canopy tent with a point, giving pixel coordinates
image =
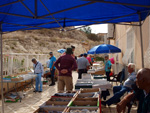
(36, 14)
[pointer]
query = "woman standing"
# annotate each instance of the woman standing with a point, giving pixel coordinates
(107, 67)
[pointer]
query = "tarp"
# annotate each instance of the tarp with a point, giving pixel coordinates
(36, 14)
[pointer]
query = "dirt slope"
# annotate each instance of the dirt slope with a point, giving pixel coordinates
(43, 41)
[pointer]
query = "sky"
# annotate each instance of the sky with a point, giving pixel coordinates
(101, 28)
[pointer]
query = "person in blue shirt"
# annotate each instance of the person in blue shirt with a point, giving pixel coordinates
(52, 67)
(107, 67)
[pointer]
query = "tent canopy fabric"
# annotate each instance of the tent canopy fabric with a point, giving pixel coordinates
(36, 14)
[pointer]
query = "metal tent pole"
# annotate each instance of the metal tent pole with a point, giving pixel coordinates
(1, 70)
(141, 37)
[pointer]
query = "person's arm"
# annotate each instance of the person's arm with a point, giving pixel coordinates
(74, 66)
(87, 65)
(77, 65)
(57, 62)
(47, 64)
(33, 66)
(90, 61)
(54, 60)
(42, 69)
(109, 64)
(121, 106)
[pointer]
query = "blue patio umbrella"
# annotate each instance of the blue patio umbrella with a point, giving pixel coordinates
(61, 50)
(104, 48)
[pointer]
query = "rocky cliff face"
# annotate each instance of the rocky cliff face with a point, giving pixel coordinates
(43, 41)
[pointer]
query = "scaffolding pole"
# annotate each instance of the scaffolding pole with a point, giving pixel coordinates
(1, 53)
(141, 38)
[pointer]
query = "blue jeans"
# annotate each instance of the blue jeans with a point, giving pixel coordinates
(118, 92)
(38, 82)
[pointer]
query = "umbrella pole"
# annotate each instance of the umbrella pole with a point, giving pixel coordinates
(1, 70)
(141, 37)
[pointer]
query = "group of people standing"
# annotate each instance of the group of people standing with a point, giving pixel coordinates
(65, 64)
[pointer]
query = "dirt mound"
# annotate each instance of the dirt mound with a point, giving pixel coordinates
(45, 40)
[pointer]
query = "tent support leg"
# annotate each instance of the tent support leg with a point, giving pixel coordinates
(141, 37)
(1, 70)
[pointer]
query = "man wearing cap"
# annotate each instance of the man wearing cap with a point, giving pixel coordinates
(65, 64)
(107, 67)
(52, 67)
(73, 49)
(38, 70)
(83, 65)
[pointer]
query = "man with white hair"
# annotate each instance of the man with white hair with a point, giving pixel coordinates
(120, 90)
(142, 93)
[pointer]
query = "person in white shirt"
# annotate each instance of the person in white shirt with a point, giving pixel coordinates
(47, 63)
(38, 70)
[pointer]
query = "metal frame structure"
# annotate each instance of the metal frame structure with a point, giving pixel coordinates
(57, 20)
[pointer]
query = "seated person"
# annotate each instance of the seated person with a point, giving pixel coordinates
(143, 95)
(120, 90)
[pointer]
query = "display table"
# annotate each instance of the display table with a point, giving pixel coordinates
(93, 83)
(84, 100)
(83, 85)
(103, 84)
(99, 77)
(96, 72)
(20, 79)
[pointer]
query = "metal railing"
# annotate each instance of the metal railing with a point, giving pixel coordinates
(14, 63)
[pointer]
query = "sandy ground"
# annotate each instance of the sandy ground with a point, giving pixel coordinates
(33, 100)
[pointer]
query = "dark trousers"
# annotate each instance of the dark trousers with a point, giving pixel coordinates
(52, 76)
(108, 75)
(118, 91)
(80, 71)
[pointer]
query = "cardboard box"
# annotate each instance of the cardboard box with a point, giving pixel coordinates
(60, 99)
(86, 99)
(40, 110)
(17, 79)
(68, 109)
(88, 90)
(85, 95)
(99, 77)
(84, 81)
(49, 109)
(64, 94)
(86, 76)
(99, 72)
(83, 85)
(88, 103)
(55, 103)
